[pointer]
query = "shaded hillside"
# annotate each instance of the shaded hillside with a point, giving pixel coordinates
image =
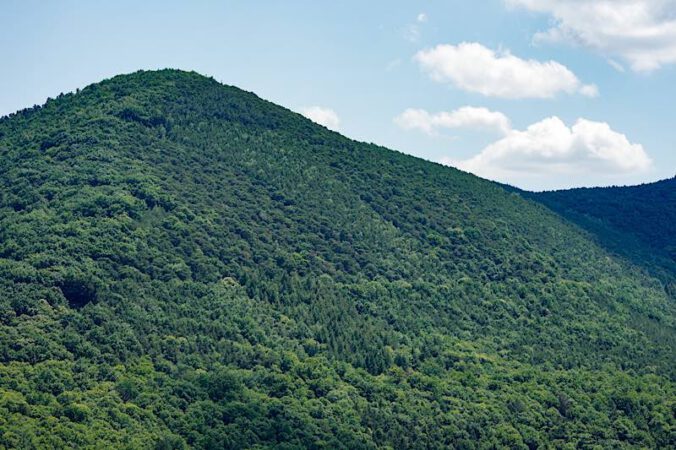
(637, 222)
(185, 264)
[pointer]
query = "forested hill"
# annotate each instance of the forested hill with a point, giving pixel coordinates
(637, 222)
(183, 264)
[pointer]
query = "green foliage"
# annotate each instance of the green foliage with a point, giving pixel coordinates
(635, 222)
(183, 264)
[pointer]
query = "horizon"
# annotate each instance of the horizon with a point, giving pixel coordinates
(78, 90)
(550, 114)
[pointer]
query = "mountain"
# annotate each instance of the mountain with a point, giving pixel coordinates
(635, 222)
(184, 264)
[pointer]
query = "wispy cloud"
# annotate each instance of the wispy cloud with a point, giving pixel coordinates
(393, 64)
(465, 117)
(412, 31)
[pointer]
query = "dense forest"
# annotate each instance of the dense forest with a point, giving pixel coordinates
(635, 222)
(186, 265)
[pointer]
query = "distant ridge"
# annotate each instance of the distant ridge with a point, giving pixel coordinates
(637, 222)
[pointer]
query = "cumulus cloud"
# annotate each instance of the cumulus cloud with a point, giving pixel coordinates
(465, 117)
(640, 32)
(472, 67)
(323, 116)
(549, 150)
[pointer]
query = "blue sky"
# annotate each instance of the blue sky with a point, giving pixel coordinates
(541, 94)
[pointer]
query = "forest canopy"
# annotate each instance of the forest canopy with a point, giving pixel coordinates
(184, 264)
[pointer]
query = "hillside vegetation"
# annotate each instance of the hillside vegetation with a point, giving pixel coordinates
(183, 264)
(635, 222)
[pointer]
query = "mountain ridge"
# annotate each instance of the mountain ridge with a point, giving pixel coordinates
(633, 222)
(213, 270)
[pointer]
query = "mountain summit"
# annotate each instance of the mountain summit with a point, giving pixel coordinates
(184, 264)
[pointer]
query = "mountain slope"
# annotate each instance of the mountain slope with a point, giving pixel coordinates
(183, 263)
(636, 222)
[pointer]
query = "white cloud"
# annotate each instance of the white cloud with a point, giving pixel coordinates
(322, 116)
(412, 31)
(589, 90)
(641, 32)
(465, 117)
(475, 68)
(549, 154)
